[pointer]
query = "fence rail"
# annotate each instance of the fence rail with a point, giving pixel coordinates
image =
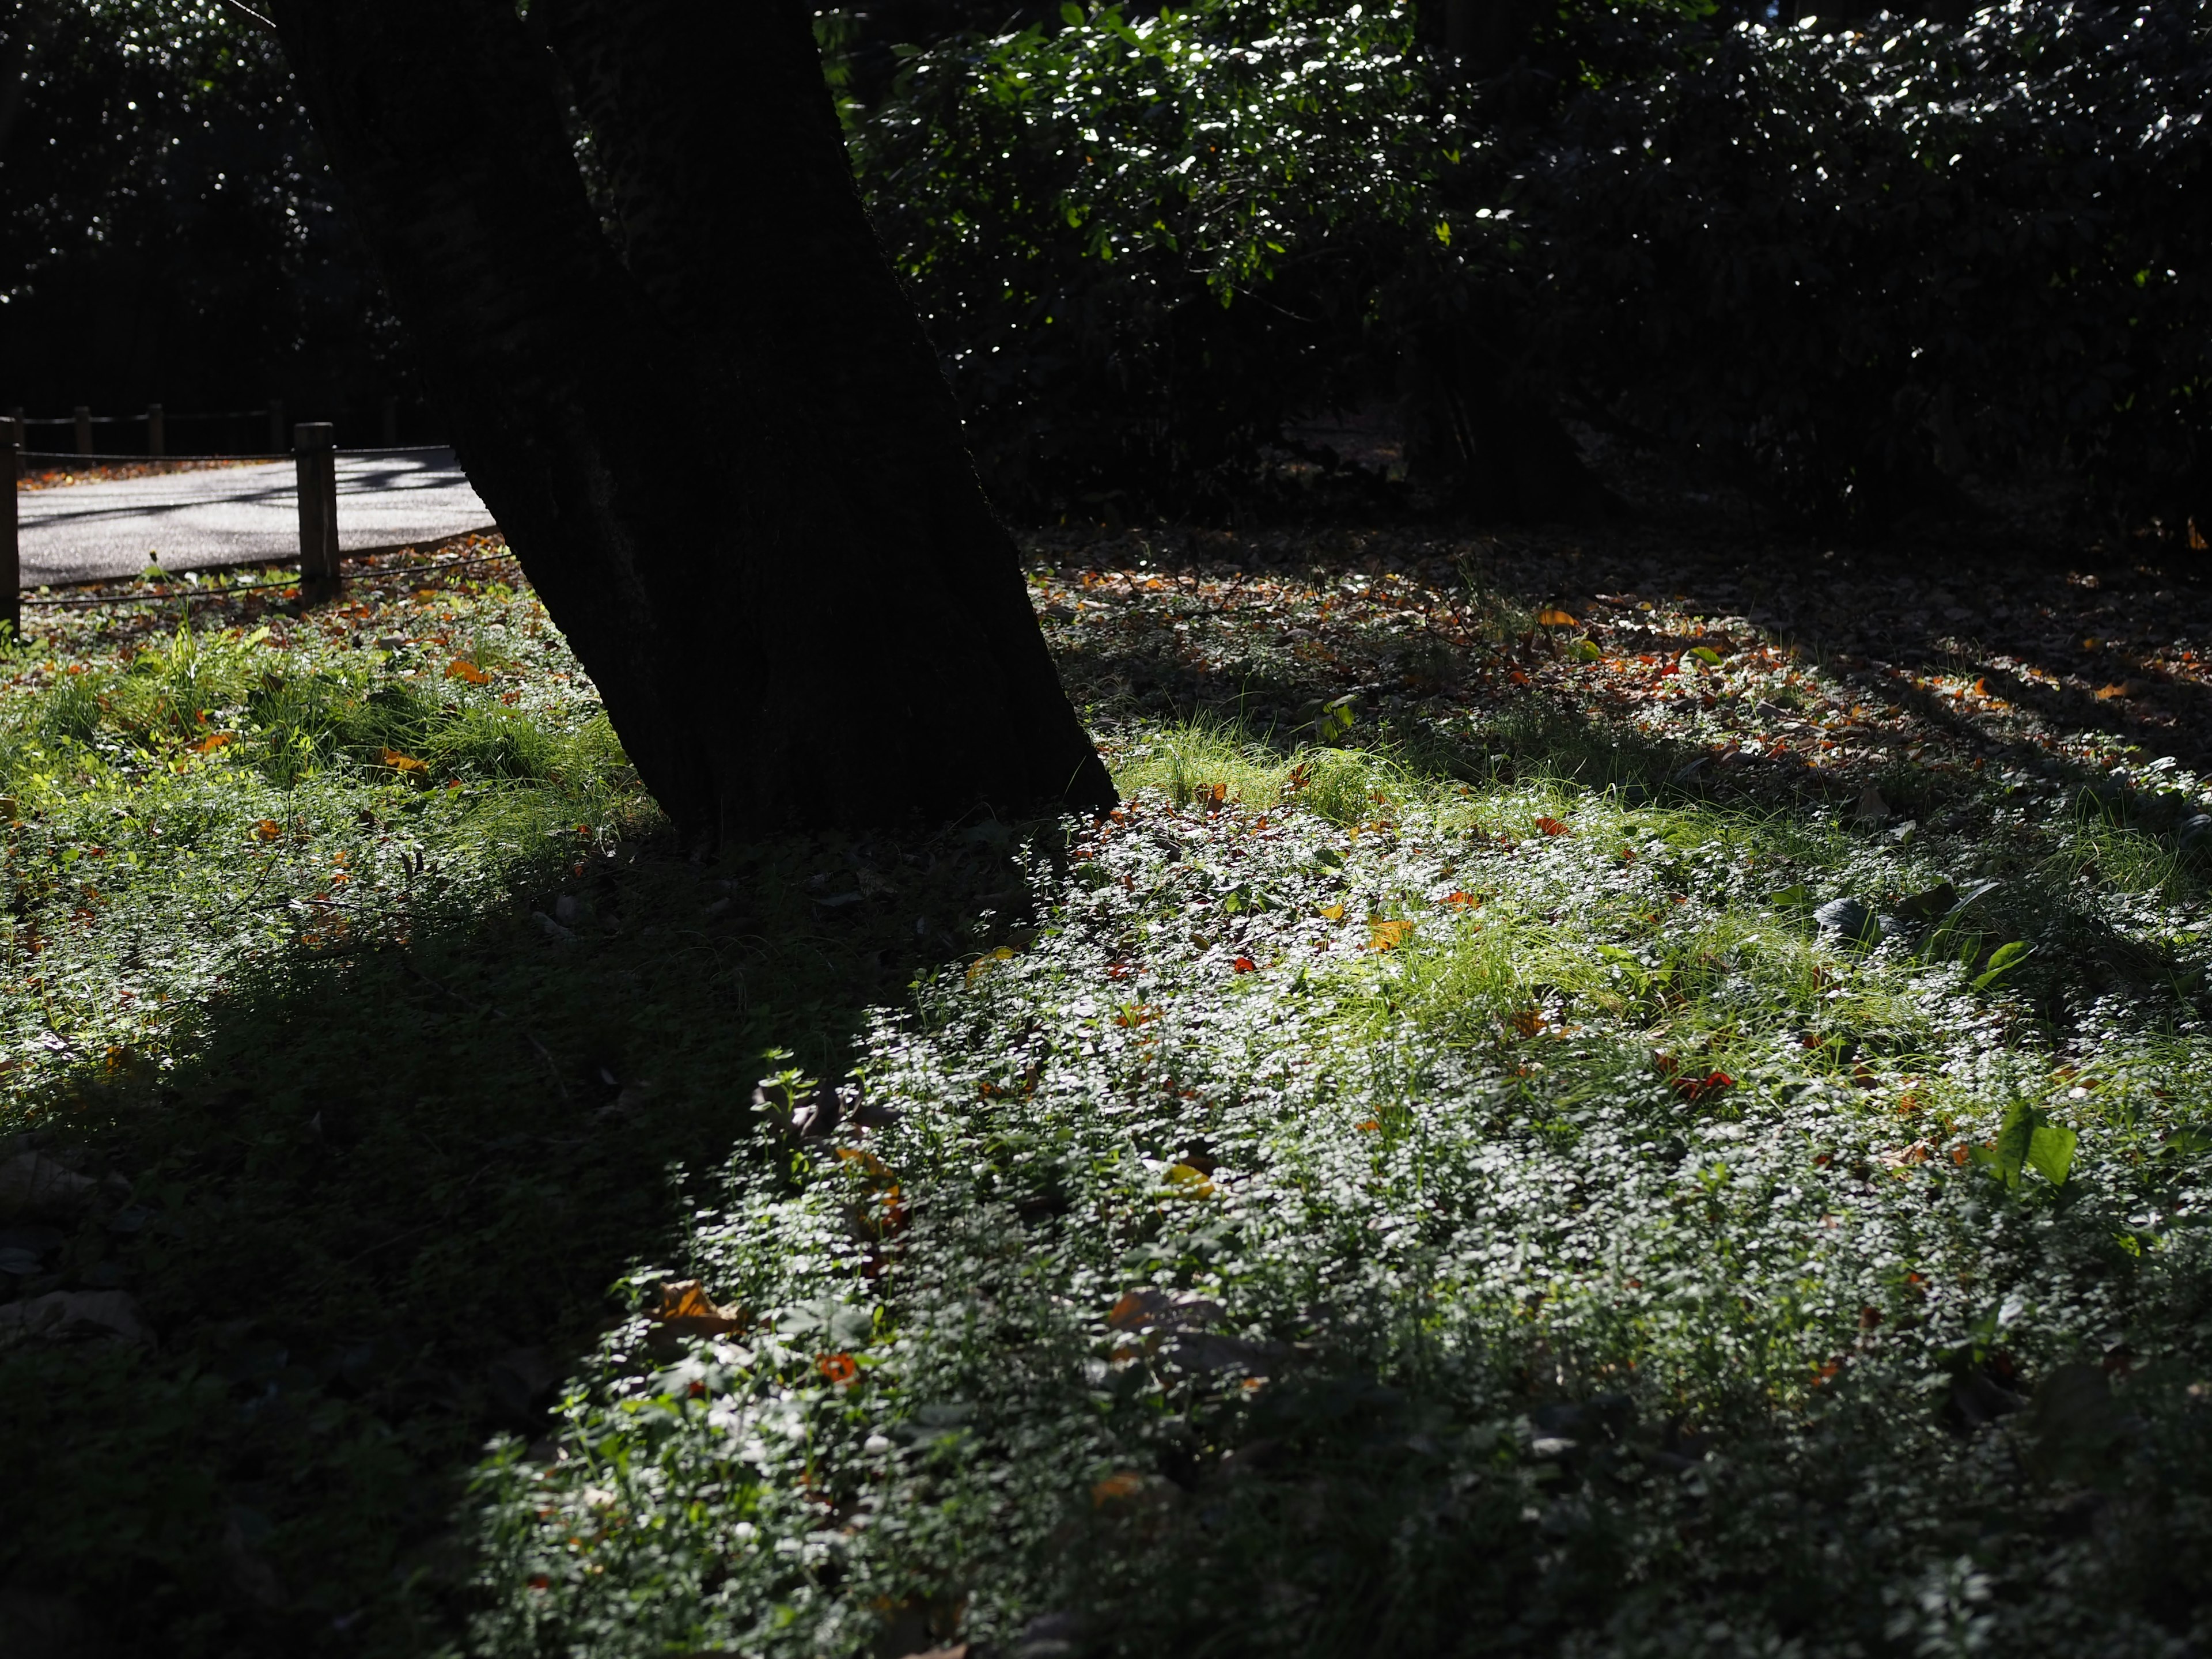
(155, 420)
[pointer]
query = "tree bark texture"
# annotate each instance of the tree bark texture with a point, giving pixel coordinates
(701, 408)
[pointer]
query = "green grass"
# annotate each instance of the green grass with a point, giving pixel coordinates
(1359, 1201)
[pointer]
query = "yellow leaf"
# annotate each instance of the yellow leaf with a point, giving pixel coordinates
(1552, 616)
(1388, 935)
(1332, 912)
(1004, 953)
(1188, 1180)
(399, 763)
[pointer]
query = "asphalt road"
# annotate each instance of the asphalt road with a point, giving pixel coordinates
(236, 515)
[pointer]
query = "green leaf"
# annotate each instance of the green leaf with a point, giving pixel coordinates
(2002, 961)
(1072, 15)
(2050, 1152)
(1707, 655)
(2029, 1141)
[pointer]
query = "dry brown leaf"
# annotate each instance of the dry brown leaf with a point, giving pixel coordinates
(684, 1308)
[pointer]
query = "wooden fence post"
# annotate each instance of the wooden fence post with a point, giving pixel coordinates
(311, 442)
(157, 441)
(11, 567)
(83, 429)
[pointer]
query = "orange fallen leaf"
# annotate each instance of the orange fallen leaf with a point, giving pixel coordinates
(1463, 899)
(1122, 1485)
(1552, 616)
(1388, 935)
(461, 668)
(268, 829)
(840, 1368)
(1551, 826)
(399, 763)
(868, 1163)
(1245, 965)
(684, 1307)
(2107, 693)
(210, 744)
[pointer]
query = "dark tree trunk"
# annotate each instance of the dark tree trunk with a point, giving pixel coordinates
(713, 430)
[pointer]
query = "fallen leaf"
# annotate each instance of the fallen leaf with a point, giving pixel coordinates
(1118, 1487)
(213, 741)
(268, 829)
(840, 1368)
(866, 1161)
(1245, 965)
(1552, 616)
(1463, 900)
(461, 668)
(1695, 1089)
(1188, 1181)
(1552, 826)
(1332, 912)
(1388, 935)
(399, 763)
(1153, 1309)
(1004, 953)
(684, 1308)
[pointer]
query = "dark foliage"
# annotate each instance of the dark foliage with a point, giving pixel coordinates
(1851, 266)
(170, 234)
(1846, 269)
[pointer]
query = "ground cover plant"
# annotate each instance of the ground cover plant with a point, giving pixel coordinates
(1581, 1105)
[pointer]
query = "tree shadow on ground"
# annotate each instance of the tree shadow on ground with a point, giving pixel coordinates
(370, 1215)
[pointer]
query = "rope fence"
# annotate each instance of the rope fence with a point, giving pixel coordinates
(26, 458)
(155, 420)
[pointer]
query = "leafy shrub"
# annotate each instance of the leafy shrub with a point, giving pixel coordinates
(1842, 267)
(1839, 263)
(1141, 245)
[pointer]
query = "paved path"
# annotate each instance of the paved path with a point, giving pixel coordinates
(236, 515)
